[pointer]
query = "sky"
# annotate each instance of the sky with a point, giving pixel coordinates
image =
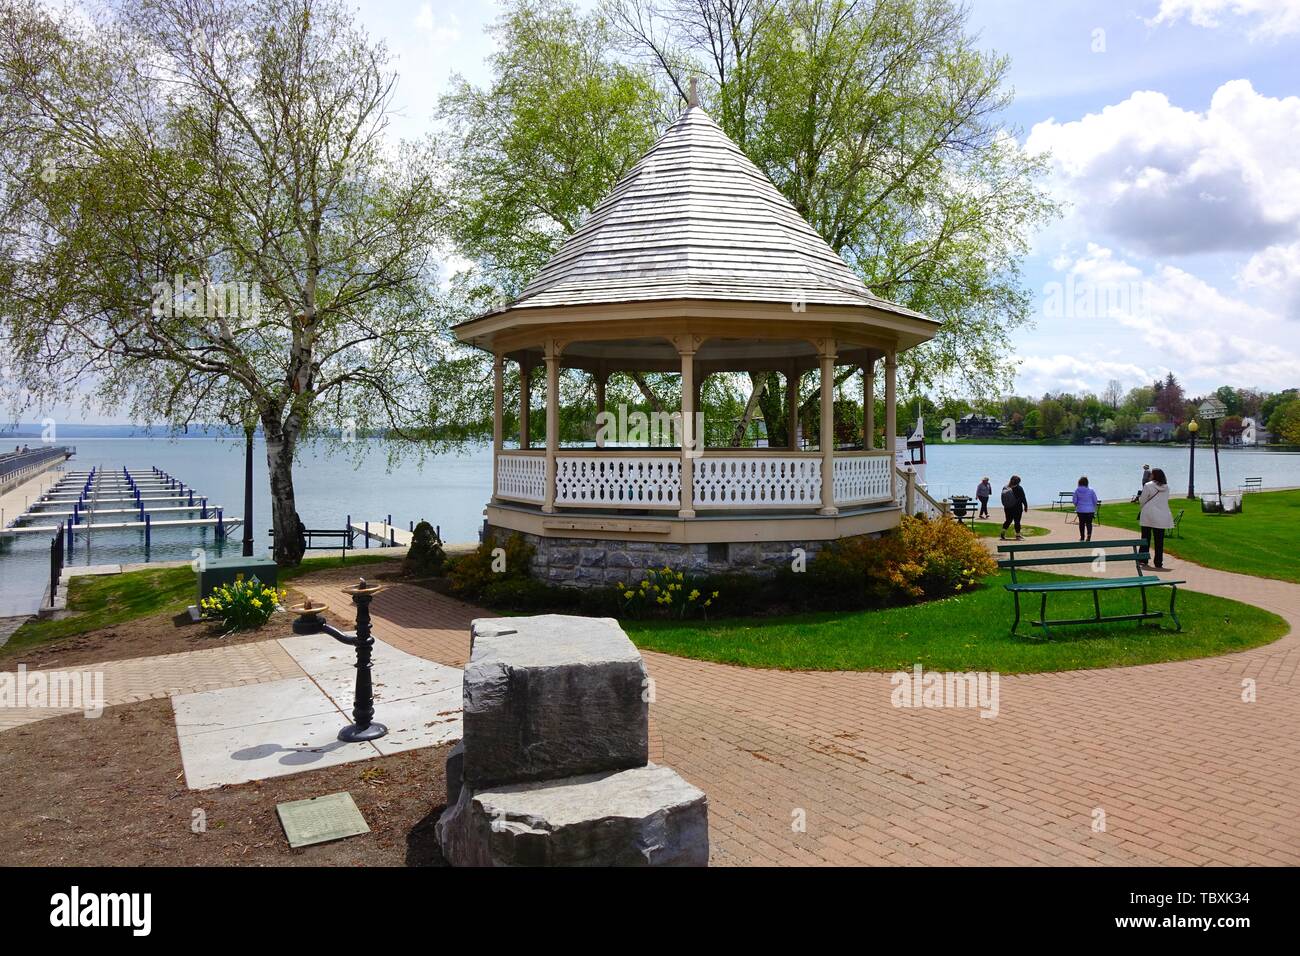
(1173, 130)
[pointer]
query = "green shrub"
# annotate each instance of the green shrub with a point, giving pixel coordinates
(527, 594)
(922, 559)
(472, 573)
(243, 605)
(426, 557)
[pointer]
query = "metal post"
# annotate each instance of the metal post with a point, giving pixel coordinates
(221, 524)
(367, 534)
(1214, 439)
(147, 530)
(248, 492)
(1191, 466)
(203, 508)
(363, 700)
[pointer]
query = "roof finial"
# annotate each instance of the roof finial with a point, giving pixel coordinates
(693, 98)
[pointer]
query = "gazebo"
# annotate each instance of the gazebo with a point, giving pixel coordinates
(694, 263)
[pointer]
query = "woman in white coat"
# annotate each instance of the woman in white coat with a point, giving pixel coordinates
(1155, 516)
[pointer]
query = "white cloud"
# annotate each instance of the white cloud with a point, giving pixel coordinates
(1039, 374)
(1205, 336)
(1275, 273)
(441, 32)
(1173, 181)
(1266, 18)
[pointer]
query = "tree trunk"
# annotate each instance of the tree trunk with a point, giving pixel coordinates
(286, 526)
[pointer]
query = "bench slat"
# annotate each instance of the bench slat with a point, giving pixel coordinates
(1015, 563)
(1096, 584)
(1068, 545)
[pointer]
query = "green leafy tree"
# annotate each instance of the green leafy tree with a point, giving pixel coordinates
(202, 222)
(881, 122)
(1284, 423)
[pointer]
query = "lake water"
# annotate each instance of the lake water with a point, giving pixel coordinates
(450, 490)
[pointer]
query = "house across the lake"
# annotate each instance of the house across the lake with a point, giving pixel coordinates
(695, 264)
(1153, 431)
(972, 425)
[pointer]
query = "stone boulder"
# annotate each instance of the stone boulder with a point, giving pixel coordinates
(552, 696)
(646, 816)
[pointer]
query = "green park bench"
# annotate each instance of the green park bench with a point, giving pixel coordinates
(1020, 557)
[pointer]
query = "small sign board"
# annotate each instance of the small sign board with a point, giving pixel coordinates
(1212, 409)
(321, 819)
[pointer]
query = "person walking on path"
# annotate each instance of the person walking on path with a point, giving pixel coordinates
(1155, 516)
(1014, 505)
(983, 493)
(1085, 508)
(1146, 478)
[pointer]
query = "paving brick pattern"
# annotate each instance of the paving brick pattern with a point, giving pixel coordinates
(146, 678)
(820, 768)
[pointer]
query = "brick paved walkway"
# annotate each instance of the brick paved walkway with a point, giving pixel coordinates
(146, 678)
(1184, 771)
(1181, 768)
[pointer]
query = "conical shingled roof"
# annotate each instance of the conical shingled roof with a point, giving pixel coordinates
(695, 219)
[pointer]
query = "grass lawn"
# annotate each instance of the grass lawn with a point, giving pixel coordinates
(991, 529)
(969, 632)
(1259, 541)
(110, 599)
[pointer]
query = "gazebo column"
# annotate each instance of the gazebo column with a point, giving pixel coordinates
(686, 348)
(525, 399)
(792, 405)
(552, 419)
(891, 417)
(826, 355)
(869, 405)
(498, 400)
(602, 377)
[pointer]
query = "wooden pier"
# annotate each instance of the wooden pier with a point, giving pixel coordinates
(388, 534)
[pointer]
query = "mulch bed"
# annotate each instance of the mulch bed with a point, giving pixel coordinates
(110, 792)
(174, 634)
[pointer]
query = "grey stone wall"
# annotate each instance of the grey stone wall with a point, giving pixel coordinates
(591, 562)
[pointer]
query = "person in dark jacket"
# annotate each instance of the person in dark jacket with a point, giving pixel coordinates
(1014, 505)
(983, 493)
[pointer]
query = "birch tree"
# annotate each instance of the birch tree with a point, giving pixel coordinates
(202, 216)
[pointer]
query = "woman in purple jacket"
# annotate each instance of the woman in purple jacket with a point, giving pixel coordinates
(1085, 507)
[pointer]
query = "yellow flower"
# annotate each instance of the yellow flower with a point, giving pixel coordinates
(628, 595)
(715, 593)
(695, 593)
(708, 602)
(257, 602)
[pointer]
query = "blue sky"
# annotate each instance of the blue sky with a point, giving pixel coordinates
(1174, 131)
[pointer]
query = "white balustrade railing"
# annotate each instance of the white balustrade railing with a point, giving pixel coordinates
(740, 482)
(611, 481)
(775, 482)
(521, 477)
(922, 503)
(862, 479)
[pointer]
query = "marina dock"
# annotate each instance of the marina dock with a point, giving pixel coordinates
(80, 501)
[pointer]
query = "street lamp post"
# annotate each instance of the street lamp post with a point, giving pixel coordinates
(1212, 410)
(1192, 429)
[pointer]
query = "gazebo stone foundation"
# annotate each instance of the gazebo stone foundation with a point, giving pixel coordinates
(598, 562)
